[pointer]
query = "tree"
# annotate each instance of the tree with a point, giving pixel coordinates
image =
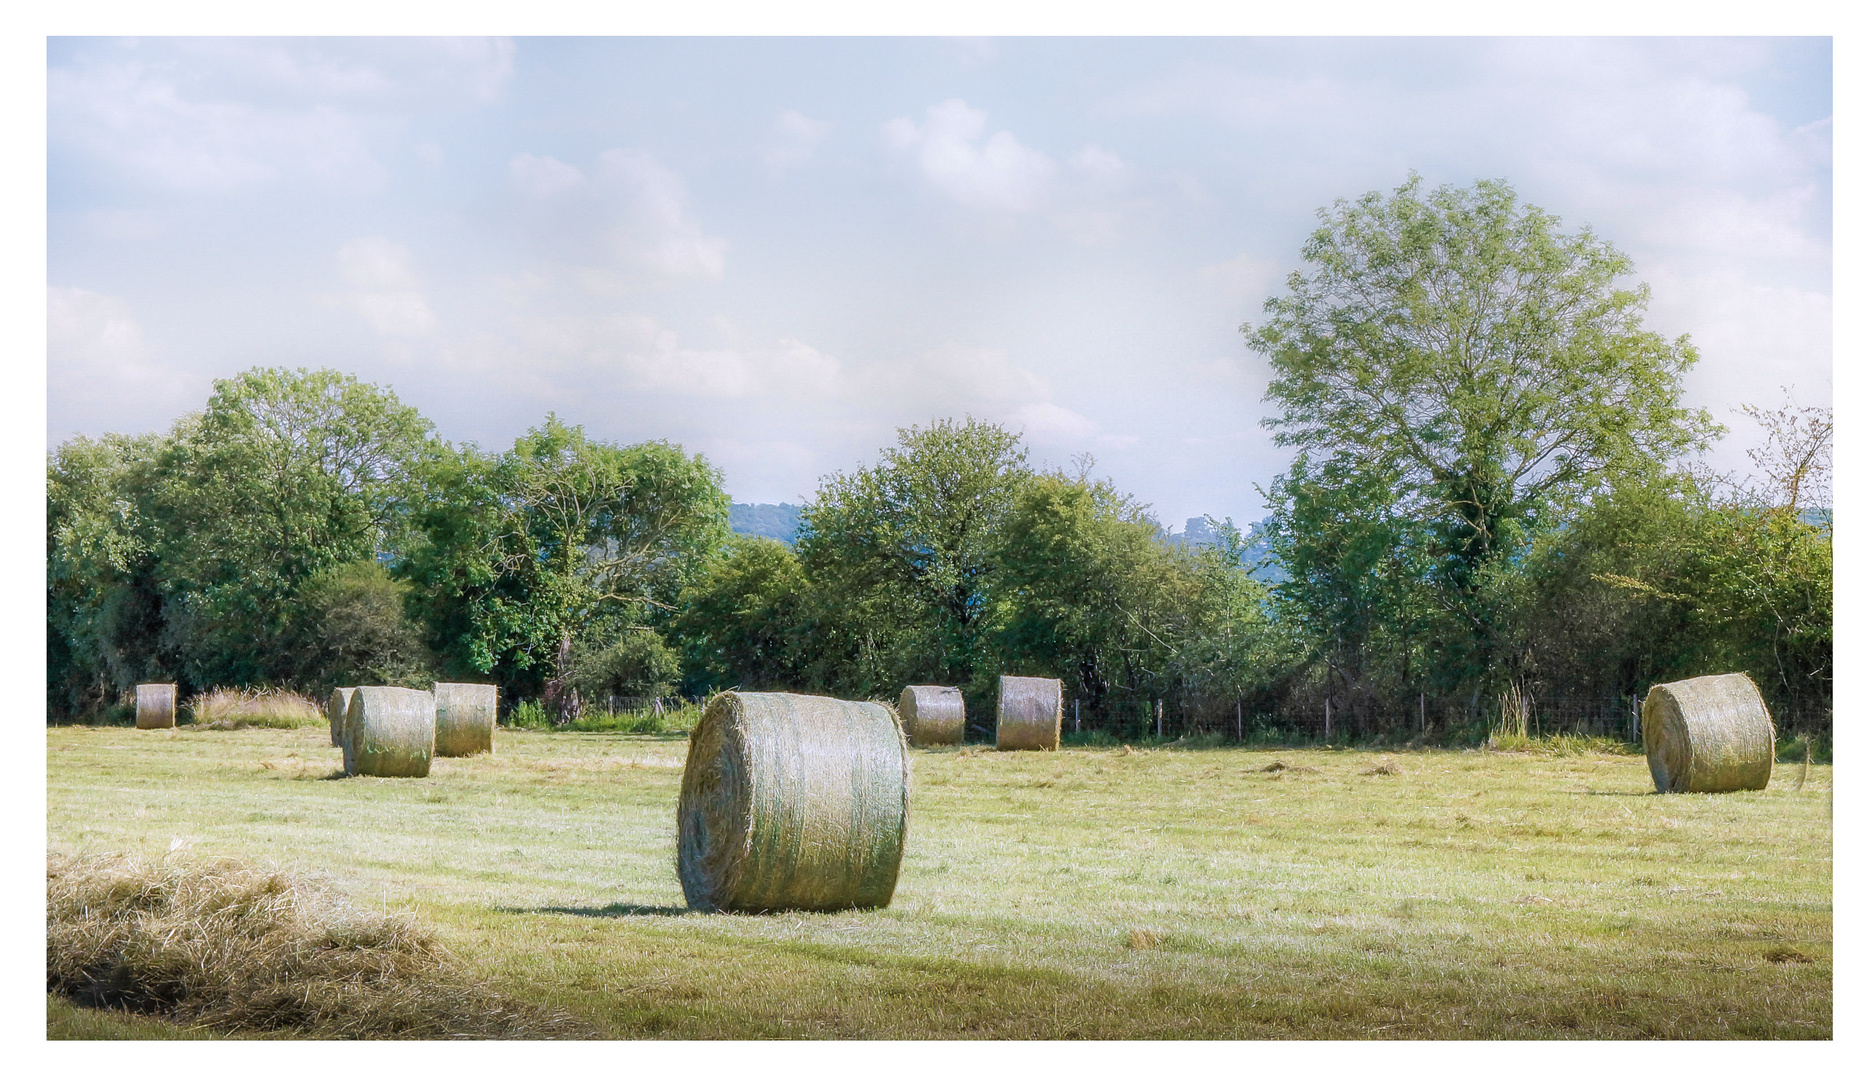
(903, 557)
(1486, 364)
(552, 551)
(741, 618)
(285, 475)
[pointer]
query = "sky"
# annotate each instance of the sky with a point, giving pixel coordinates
(776, 252)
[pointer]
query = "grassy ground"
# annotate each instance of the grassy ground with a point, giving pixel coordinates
(1090, 893)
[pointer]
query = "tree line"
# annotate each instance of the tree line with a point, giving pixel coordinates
(1492, 491)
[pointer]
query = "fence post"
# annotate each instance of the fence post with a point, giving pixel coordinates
(1239, 719)
(1159, 718)
(1077, 704)
(1327, 718)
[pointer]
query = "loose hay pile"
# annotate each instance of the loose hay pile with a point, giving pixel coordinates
(155, 705)
(1708, 734)
(337, 711)
(246, 949)
(792, 802)
(464, 716)
(1029, 713)
(933, 715)
(389, 732)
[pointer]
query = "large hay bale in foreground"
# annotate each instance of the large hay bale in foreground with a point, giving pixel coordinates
(155, 705)
(1708, 734)
(933, 715)
(1029, 713)
(792, 802)
(464, 716)
(389, 732)
(337, 711)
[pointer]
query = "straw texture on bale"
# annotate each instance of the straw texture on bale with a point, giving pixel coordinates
(390, 732)
(1029, 713)
(337, 711)
(464, 716)
(933, 715)
(1708, 734)
(792, 802)
(155, 705)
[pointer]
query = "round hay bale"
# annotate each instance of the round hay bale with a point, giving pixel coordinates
(792, 802)
(933, 715)
(1029, 713)
(155, 705)
(389, 732)
(337, 711)
(464, 716)
(1708, 734)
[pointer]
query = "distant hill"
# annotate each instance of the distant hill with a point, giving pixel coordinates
(1256, 558)
(778, 521)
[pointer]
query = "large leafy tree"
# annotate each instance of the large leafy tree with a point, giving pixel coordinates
(285, 475)
(903, 557)
(559, 549)
(1490, 367)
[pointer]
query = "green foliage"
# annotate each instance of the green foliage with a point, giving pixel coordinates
(739, 618)
(1458, 373)
(903, 558)
(637, 664)
(351, 629)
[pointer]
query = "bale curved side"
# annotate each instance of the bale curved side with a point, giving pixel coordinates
(155, 705)
(933, 715)
(1029, 713)
(389, 732)
(792, 802)
(337, 711)
(464, 716)
(1708, 734)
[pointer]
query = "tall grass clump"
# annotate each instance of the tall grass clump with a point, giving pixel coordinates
(239, 948)
(224, 709)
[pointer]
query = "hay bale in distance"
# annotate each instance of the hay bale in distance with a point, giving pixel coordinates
(464, 716)
(933, 715)
(389, 732)
(337, 711)
(791, 802)
(1708, 734)
(155, 705)
(1029, 713)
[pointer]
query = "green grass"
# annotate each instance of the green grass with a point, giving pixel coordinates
(1089, 893)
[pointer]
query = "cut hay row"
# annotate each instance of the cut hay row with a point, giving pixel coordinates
(1708, 734)
(337, 710)
(464, 716)
(791, 802)
(933, 715)
(389, 731)
(1029, 713)
(155, 705)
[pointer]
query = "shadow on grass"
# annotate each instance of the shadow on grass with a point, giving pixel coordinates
(337, 774)
(612, 911)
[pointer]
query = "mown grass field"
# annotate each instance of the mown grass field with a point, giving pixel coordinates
(1091, 893)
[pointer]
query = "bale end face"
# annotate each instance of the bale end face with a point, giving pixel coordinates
(1709, 734)
(337, 711)
(792, 802)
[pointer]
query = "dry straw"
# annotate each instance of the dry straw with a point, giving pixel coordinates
(1708, 734)
(791, 802)
(933, 715)
(1029, 713)
(464, 716)
(337, 710)
(389, 732)
(155, 705)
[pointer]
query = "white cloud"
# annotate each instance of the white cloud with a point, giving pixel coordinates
(217, 115)
(383, 289)
(87, 331)
(99, 372)
(794, 139)
(624, 219)
(999, 174)
(654, 230)
(1245, 280)
(543, 177)
(638, 353)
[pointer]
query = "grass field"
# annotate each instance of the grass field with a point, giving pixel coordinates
(1091, 893)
